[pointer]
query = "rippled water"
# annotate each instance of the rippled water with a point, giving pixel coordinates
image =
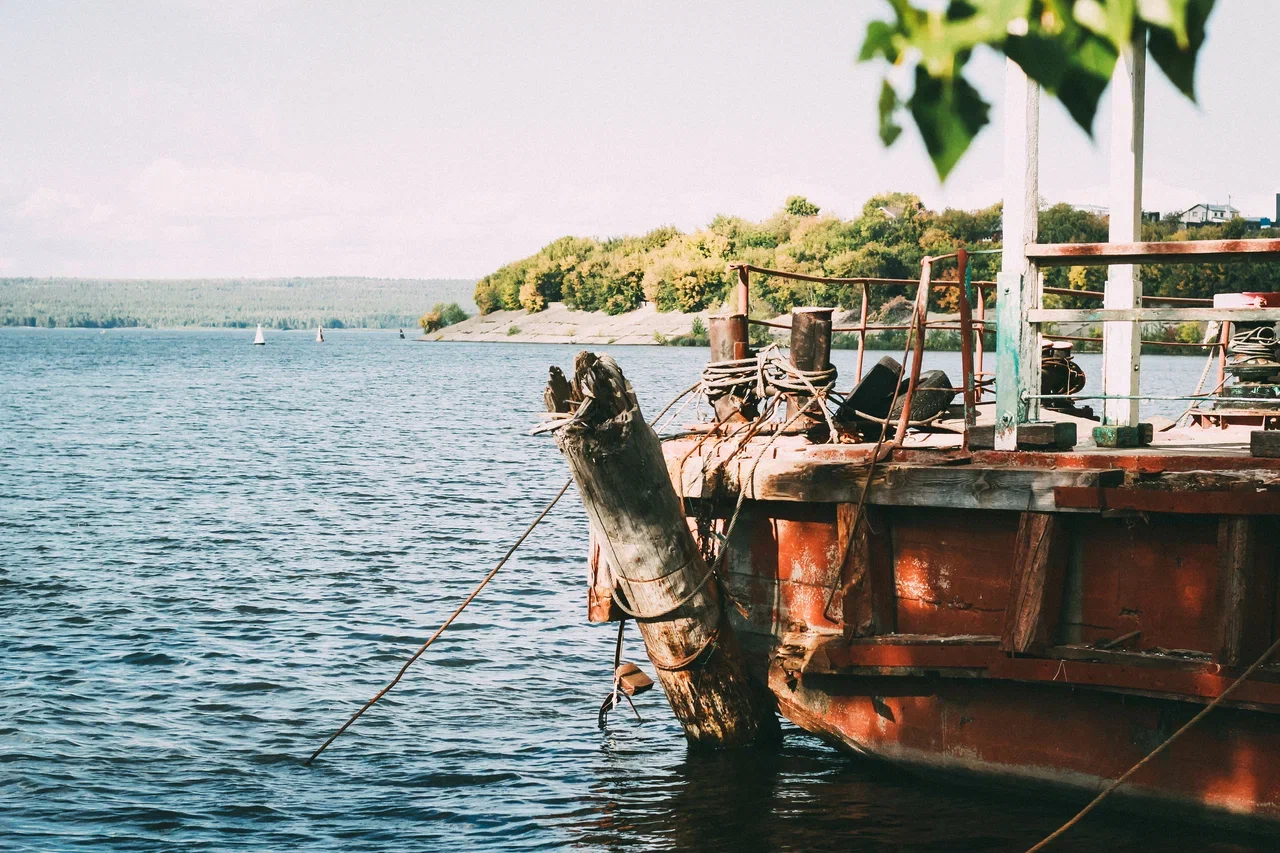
(211, 554)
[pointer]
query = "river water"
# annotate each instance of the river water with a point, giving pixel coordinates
(212, 553)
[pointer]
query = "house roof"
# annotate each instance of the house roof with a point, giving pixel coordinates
(1219, 208)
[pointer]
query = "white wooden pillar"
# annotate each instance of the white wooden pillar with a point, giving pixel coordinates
(1017, 284)
(1122, 341)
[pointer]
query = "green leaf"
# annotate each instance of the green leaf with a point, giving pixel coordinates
(1170, 15)
(1111, 19)
(1179, 65)
(1044, 59)
(949, 113)
(879, 42)
(890, 130)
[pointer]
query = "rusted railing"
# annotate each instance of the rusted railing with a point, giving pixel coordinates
(971, 317)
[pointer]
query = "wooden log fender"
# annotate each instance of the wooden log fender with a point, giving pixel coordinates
(662, 580)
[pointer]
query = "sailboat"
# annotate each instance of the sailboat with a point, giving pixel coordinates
(258, 339)
(319, 334)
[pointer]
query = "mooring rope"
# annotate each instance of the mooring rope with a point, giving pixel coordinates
(472, 596)
(1244, 676)
(447, 622)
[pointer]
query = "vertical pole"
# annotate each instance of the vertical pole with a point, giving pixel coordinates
(810, 349)
(918, 324)
(980, 347)
(862, 333)
(966, 345)
(1017, 291)
(744, 291)
(1122, 340)
(728, 338)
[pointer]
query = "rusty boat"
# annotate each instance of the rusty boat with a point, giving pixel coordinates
(982, 578)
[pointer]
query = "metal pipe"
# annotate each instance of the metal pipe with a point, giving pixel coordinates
(966, 349)
(1156, 397)
(919, 321)
(744, 291)
(862, 329)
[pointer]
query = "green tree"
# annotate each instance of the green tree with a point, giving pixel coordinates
(798, 205)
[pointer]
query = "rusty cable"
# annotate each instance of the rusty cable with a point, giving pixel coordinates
(1057, 833)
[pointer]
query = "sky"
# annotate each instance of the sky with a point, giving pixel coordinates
(442, 139)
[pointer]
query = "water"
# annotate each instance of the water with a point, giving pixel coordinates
(211, 554)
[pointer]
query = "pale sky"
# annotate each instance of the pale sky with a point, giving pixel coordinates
(421, 139)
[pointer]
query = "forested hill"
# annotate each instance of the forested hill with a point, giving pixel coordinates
(679, 271)
(282, 303)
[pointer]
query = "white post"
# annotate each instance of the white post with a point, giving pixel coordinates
(1017, 285)
(1122, 341)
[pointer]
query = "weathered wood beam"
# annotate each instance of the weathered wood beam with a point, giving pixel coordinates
(1121, 340)
(617, 464)
(1172, 251)
(1017, 284)
(1036, 583)
(869, 598)
(824, 480)
(1234, 502)
(1237, 565)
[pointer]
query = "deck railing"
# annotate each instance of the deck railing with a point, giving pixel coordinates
(1019, 352)
(1019, 348)
(972, 317)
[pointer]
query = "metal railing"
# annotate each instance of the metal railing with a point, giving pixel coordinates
(972, 317)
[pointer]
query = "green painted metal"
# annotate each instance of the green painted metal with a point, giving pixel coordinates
(1112, 435)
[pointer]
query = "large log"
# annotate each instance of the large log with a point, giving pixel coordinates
(617, 464)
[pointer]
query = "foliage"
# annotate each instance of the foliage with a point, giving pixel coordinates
(798, 205)
(1069, 47)
(283, 303)
(441, 315)
(512, 331)
(888, 239)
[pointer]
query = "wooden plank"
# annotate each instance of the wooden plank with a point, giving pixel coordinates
(1236, 551)
(1017, 287)
(869, 598)
(1235, 502)
(1121, 345)
(1041, 435)
(1151, 315)
(1036, 584)
(1172, 251)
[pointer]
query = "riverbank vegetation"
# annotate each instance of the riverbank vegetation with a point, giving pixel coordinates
(679, 271)
(282, 303)
(440, 316)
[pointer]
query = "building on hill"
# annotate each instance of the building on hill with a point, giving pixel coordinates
(1208, 214)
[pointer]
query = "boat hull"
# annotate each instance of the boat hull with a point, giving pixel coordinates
(993, 618)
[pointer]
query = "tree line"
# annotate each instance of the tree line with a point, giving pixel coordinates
(679, 271)
(290, 303)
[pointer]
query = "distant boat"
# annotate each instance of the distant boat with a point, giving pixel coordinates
(258, 339)
(319, 334)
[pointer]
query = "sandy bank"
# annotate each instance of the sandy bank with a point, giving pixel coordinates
(559, 324)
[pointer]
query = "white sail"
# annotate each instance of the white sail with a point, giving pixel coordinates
(319, 334)
(258, 339)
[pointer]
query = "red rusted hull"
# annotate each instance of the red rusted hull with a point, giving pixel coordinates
(1053, 635)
